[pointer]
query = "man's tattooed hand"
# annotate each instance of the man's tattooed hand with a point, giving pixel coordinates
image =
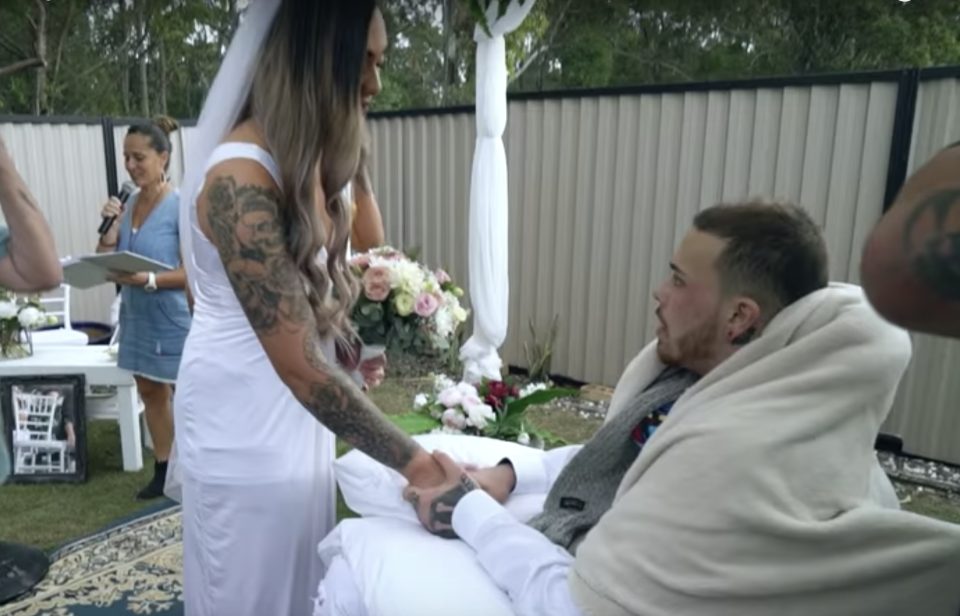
(435, 506)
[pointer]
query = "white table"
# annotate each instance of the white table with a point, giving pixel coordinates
(99, 368)
(59, 337)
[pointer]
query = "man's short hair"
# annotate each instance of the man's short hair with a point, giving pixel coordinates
(775, 254)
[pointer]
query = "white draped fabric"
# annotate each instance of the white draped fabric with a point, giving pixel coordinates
(487, 256)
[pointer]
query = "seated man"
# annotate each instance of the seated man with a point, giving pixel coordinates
(734, 474)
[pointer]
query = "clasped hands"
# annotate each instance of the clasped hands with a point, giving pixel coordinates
(435, 504)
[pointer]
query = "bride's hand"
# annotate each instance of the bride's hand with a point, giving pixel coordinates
(373, 371)
(424, 471)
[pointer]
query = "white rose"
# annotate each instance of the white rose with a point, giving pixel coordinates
(410, 277)
(467, 389)
(478, 415)
(441, 382)
(8, 310)
(470, 400)
(443, 323)
(453, 418)
(420, 401)
(531, 388)
(523, 439)
(450, 397)
(30, 317)
(445, 430)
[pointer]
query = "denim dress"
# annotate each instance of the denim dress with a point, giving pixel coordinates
(153, 325)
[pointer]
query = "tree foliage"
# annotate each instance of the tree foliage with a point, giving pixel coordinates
(142, 57)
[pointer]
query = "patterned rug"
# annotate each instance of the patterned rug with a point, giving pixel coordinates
(134, 567)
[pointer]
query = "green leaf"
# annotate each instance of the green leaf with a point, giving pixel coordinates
(372, 310)
(547, 437)
(543, 396)
(414, 423)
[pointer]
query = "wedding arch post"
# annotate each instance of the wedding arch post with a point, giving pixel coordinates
(488, 248)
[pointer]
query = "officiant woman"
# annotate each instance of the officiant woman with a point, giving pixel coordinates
(154, 314)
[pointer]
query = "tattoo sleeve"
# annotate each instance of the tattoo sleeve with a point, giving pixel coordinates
(440, 516)
(931, 237)
(245, 226)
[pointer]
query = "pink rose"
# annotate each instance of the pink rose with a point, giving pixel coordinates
(360, 261)
(426, 305)
(454, 419)
(455, 395)
(442, 276)
(470, 401)
(376, 291)
(378, 274)
(376, 283)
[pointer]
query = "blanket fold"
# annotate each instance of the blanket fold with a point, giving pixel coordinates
(755, 497)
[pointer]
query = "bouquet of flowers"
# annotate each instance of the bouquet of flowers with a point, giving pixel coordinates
(495, 409)
(17, 316)
(404, 305)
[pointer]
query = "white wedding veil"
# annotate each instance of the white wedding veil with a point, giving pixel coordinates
(221, 110)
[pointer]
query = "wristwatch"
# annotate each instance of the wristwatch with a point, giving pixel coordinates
(151, 285)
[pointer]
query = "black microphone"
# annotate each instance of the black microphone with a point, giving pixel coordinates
(125, 191)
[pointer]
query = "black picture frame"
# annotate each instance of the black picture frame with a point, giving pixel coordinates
(45, 438)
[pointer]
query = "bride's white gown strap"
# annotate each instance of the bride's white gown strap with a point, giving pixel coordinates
(259, 491)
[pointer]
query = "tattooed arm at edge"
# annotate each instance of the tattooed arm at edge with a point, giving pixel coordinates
(32, 264)
(242, 221)
(910, 267)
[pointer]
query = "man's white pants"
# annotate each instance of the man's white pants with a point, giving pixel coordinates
(339, 594)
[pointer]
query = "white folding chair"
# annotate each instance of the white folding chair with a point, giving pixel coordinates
(34, 448)
(57, 304)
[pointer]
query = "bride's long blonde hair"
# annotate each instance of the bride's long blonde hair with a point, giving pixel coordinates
(305, 97)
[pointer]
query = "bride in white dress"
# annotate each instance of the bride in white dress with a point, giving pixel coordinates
(280, 131)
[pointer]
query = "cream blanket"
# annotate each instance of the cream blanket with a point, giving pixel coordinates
(754, 498)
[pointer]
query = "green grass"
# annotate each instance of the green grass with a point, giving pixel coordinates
(934, 506)
(50, 515)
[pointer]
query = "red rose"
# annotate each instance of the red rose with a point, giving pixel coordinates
(493, 401)
(497, 389)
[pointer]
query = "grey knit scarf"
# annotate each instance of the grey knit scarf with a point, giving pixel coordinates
(586, 487)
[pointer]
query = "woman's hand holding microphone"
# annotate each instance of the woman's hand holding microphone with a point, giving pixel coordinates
(112, 209)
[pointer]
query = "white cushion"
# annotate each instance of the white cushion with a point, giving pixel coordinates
(371, 489)
(402, 570)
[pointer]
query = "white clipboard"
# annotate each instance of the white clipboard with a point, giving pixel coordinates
(92, 270)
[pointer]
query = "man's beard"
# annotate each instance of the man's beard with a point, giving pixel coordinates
(691, 349)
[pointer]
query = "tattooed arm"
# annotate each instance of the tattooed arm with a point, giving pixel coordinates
(910, 268)
(31, 264)
(238, 212)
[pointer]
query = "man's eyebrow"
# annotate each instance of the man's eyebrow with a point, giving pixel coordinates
(677, 269)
